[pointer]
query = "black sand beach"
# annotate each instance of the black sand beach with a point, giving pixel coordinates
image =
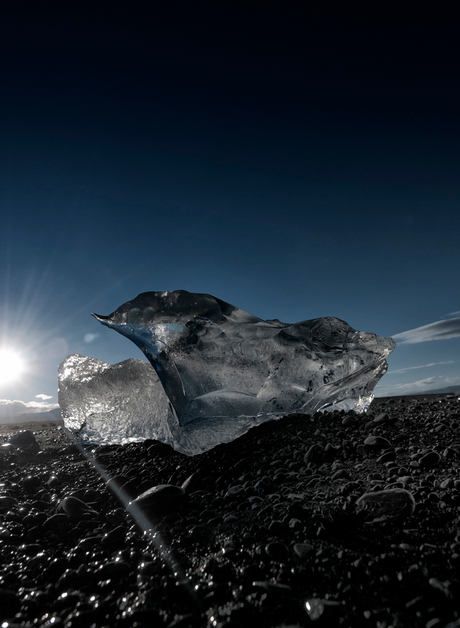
(271, 530)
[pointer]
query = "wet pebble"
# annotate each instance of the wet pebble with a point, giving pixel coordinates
(30, 549)
(116, 516)
(388, 456)
(53, 481)
(318, 608)
(376, 442)
(57, 522)
(75, 507)
(114, 538)
(24, 440)
(124, 487)
(303, 549)
(271, 588)
(159, 500)
(429, 459)
(314, 454)
(6, 449)
(449, 453)
(277, 551)
(9, 604)
(350, 487)
(394, 502)
(113, 569)
(7, 502)
(30, 483)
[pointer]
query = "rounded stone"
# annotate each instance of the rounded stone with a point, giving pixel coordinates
(7, 502)
(314, 454)
(75, 507)
(388, 456)
(430, 459)
(158, 500)
(114, 537)
(303, 549)
(24, 439)
(9, 604)
(376, 442)
(277, 551)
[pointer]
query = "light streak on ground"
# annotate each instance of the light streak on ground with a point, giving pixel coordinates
(142, 521)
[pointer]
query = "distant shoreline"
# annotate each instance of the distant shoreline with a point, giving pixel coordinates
(430, 395)
(6, 428)
(40, 424)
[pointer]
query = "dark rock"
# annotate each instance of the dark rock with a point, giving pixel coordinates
(24, 440)
(388, 456)
(113, 569)
(430, 459)
(376, 442)
(272, 588)
(114, 538)
(9, 604)
(75, 507)
(57, 522)
(314, 454)
(7, 502)
(323, 610)
(303, 549)
(277, 551)
(393, 502)
(159, 500)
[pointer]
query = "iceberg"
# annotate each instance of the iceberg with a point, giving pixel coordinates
(217, 372)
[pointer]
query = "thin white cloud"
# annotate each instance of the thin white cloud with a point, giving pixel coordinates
(422, 366)
(43, 397)
(419, 386)
(421, 383)
(90, 337)
(452, 314)
(440, 330)
(11, 410)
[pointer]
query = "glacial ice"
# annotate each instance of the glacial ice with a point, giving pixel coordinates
(217, 372)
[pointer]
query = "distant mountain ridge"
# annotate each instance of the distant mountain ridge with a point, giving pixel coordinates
(440, 391)
(28, 417)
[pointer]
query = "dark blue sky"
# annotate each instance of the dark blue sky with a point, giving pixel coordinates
(294, 164)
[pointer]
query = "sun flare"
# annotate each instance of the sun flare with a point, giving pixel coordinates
(12, 365)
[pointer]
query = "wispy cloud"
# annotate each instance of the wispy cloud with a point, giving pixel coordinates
(419, 386)
(440, 330)
(422, 366)
(43, 397)
(421, 383)
(90, 337)
(452, 314)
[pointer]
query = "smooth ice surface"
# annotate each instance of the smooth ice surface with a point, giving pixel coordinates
(217, 372)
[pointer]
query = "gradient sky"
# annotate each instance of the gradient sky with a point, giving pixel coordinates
(296, 165)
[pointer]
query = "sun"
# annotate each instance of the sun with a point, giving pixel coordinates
(12, 365)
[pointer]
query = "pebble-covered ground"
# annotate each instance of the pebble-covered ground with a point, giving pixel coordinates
(334, 520)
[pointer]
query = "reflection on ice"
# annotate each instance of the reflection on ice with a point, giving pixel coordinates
(217, 372)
